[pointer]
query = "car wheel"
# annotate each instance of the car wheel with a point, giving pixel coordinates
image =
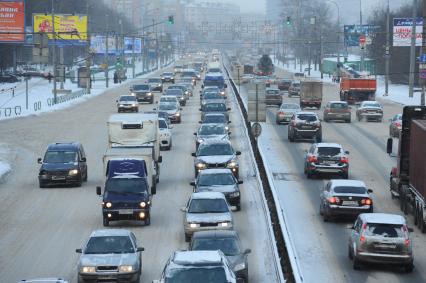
(238, 207)
(138, 279)
(408, 268)
(80, 182)
(348, 121)
(148, 221)
(321, 209)
(359, 118)
(356, 264)
(345, 175)
(187, 238)
(42, 185)
(290, 138)
(350, 255)
(309, 175)
(105, 222)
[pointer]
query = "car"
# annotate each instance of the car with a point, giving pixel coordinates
(143, 93)
(219, 180)
(111, 254)
(197, 266)
(214, 106)
(326, 158)
(294, 89)
(179, 95)
(227, 242)
(188, 86)
(168, 77)
(165, 134)
(127, 103)
(395, 125)
(169, 99)
(216, 154)
(370, 110)
(345, 198)
(184, 89)
(178, 69)
(189, 73)
(172, 109)
(246, 78)
(9, 78)
(63, 164)
(216, 118)
(305, 125)
(209, 89)
(284, 84)
(206, 211)
(299, 75)
(337, 110)
(381, 238)
(273, 96)
(208, 132)
(156, 84)
(286, 111)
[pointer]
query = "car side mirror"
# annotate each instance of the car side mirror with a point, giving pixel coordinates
(183, 209)
(199, 109)
(83, 159)
(240, 182)
(39, 160)
(195, 134)
(156, 102)
(193, 154)
(369, 191)
(160, 159)
(238, 152)
(225, 85)
(347, 152)
(116, 101)
(192, 183)
(98, 191)
(181, 108)
(79, 251)
(247, 251)
(202, 86)
(229, 122)
(200, 122)
(228, 109)
(140, 249)
(154, 108)
(389, 146)
(225, 97)
(229, 133)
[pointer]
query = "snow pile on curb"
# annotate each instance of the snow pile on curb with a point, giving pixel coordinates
(4, 169)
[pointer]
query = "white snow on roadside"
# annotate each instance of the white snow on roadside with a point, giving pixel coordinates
(4, 169)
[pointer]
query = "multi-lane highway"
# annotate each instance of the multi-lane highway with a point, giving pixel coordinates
(41, 228)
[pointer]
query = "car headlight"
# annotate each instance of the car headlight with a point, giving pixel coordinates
(232, 164)
(235, 194)
(200, 165)
(240, 266)
(200, 140)
(149, 94)
(177, 114)
(133, 93)
(181, 98)
(186, 92)
(88, 269)
(226, 128)
(222, 92)
(159, 84)
(73, 172)
(194, 225)
(108, 204)
(172, 78)
(224, 224)
(125, 268)
(142, 204)
(134, 104)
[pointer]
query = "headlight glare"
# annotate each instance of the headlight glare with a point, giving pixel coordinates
(125, 268)
(240, 266)
(200, 165)
(108, 204)
(200, 140)
(224, 224)
(73, 172)
(194, 225)
(88, 269)
(232, 164)
(142, 204)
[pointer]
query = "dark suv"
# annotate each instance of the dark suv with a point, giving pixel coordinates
(327, 158)
(63, 164)
(305, 125)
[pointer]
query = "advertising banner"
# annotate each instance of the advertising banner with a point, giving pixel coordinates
(128, 45)
(97, 44)
(12, 21)
(69, 29)
(352, 33)
(402, 28)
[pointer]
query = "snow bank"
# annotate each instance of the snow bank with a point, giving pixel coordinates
(4, 169)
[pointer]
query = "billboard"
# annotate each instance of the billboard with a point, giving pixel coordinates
(97, 44)
(70, 29)
(353, 32)
(12, 21)
(402, 28)
(128, 45)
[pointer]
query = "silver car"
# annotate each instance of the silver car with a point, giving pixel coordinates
(286, 111)
(127, 103)
(110, 255)
(381, 238)
(206, 211)
(210, 132)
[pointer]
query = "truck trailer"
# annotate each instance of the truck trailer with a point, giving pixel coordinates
(355, 90)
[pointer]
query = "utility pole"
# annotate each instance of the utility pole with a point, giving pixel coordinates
(412, 50)
(360, 25)
(387, 55)
(54, 53)
(423, 49)
(133, 57)
(88, 58)
(106, 54)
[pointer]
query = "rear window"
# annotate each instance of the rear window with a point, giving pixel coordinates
(350, 190)
(339, 106)
(272, 91)
(328, 151)
(307, 117)
(384, 230)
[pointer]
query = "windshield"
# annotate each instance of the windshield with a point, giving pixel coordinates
(167, 106)
(385, 230)
(215, 149)
(212, 130)
(272, 91)
(60, 157)
(229, 246)
(371, 104)
(154, 80)
(339, 106)
(296, 85)
(328, 151)
(188, 74)
(109, 245)
(290, 106)
(219, 84)
(214, 107)
(141, 87)
(208, 206)
(162, 124)
(307, 117)
(350, 190)
(214, 119)
(218, 179)
(214, 70)
(128, 98)
(181, 87)
(123, 185)
(168, 99)
(196, 275)
(167, 74)
(212, 95)
(174, 92)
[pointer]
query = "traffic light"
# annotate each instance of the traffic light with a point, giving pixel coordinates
(288, 21)
(171, 20)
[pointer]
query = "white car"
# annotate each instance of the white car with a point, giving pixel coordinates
(169, 98)
(165, 134)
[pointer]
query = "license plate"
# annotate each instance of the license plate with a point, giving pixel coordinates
(384, 246)
(329, 162)
(350, 203)
(125, 211)
(56, 178)
(306, 127)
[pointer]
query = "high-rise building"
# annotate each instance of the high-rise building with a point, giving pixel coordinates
(274, 10)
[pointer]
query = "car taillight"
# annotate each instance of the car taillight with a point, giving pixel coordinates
(398, 124)
(366, 201)
(281, 113)
(362, 238)
(333, 200)
(294, 124)
(344, 159)
(312, 158)
(407, 242)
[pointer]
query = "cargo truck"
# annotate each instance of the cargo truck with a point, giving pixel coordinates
(310, 94)
(408, 178)
(355, 90)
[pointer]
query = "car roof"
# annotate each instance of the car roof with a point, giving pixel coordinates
(216, 142)
(215, 234)
(63, 146)
(132, 117)
(110, 232)
(197, 257)
(306, 113)
(208, 195)
(337, 101)
(214, 114)
(211, 125)
(212, 101)
(349, 183)
(328, 144)
(215, 171)
(168, 96)
(382, 218)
